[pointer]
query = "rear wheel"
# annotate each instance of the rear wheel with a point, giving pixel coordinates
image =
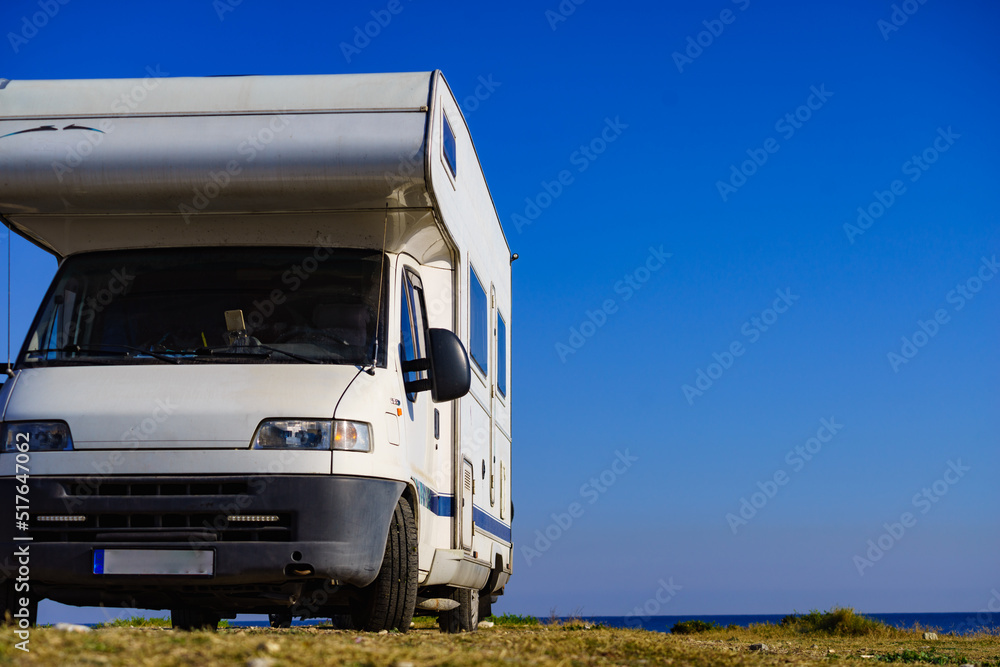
(465, 617)
(194, 619)
(282, 619)
(389, 601)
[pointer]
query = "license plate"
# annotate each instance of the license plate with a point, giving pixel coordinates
(196, 562)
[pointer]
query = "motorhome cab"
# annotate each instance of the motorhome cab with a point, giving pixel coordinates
(272, 373)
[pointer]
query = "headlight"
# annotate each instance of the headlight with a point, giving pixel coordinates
(293, 434)
(36, 437)
(313, 435)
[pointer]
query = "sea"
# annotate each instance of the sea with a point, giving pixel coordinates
(956, 623)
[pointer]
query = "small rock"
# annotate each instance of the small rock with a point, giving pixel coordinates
(814, 646)
(72, 627)
(383, 632)
(930, 635)
(260, 662)
(402, 664)
(758, 647)
(268, 647)
(358, 640)
(831, 651)
(485, 624)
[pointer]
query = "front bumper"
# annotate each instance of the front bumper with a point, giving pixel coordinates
(329, 527)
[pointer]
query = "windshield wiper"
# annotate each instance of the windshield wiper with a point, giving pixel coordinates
(122, 350)
(244, 351)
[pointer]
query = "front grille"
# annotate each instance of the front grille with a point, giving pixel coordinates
(153, 526)
(158, 510)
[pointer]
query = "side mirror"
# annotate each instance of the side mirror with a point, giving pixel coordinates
(447, 366)
(451, 374)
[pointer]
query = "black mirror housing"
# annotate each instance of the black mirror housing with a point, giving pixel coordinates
(450, 372)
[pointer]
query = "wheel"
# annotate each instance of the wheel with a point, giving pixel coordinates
(485, 606)
(389, 601)
(282, 619)
(465, 617)
(194, 619)
(12, 605)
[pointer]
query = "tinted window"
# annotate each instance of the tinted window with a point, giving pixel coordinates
(479, 314)
(450, 151)
(297, 305)
(501, 355)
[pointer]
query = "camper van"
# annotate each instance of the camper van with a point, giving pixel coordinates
(272, 373)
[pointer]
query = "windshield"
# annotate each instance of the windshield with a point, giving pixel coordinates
(222, 305)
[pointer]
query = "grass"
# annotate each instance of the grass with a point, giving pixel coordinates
(831, 639)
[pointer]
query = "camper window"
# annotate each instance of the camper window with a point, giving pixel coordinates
(479, 322)
(449, 147)
(501, 355)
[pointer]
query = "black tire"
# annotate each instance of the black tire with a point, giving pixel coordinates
(485, 606)
(389, 601)
(194, 619)
(12, 605)
(465, 617)
(282, 619)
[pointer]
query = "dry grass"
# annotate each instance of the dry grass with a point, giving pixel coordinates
(568, 644)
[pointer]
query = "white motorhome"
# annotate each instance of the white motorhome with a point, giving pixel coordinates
(272, 372)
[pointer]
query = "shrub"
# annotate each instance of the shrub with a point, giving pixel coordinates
(837, 621)
(694, 626)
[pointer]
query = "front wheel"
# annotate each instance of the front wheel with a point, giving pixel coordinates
(389, 601)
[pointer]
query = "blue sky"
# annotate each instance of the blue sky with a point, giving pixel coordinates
(743, 158)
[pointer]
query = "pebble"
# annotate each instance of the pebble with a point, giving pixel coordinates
(72, 627)
(383, 632)
(260, 662)
(485, 624)
(930, 635)
(268, 647)
(758, 647)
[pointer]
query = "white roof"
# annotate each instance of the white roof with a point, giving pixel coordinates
(153, 95)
